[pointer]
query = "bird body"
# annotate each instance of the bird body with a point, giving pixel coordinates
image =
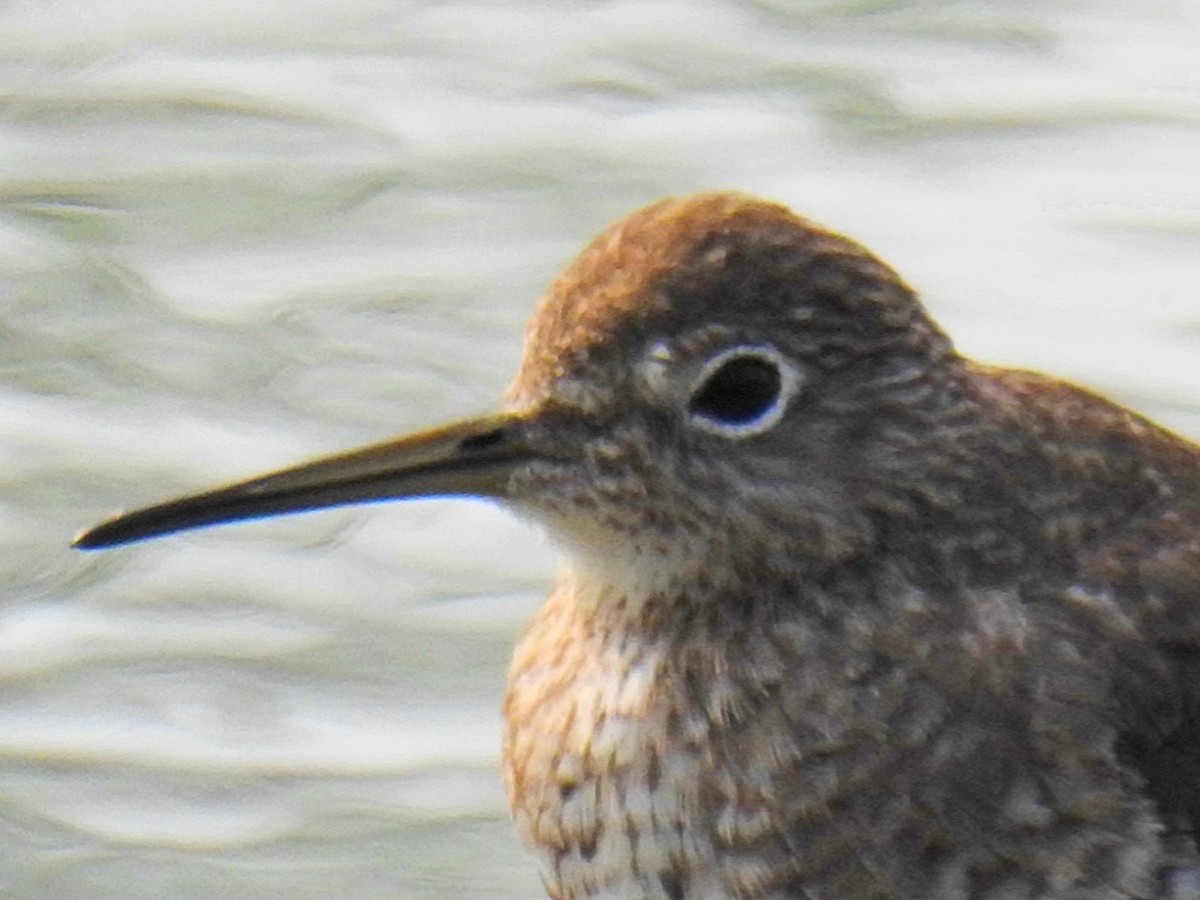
(849, 616)
(878, 729)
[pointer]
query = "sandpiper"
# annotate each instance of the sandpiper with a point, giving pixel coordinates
(849, 615)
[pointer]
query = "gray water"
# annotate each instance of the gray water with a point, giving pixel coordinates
(235, 235)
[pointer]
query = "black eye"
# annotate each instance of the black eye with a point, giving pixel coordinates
(741, 392)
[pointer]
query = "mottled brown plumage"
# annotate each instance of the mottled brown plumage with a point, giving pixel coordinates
(849, 615)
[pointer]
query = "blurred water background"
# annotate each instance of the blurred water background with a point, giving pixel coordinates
(233, 235)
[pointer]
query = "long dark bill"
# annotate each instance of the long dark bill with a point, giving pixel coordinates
(474, 457)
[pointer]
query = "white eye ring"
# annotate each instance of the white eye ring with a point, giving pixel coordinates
(743, 391)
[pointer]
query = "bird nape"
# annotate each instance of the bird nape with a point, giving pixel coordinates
(849, 615)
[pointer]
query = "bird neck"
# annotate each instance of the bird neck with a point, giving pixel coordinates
(699, 615)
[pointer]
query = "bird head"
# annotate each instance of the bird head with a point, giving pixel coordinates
(714, 377)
